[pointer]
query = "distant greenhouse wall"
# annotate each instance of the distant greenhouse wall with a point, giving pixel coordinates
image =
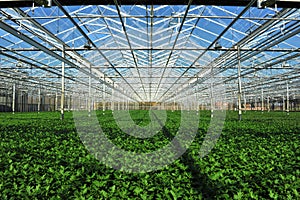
(30, 102)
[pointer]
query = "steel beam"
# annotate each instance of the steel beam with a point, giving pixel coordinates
(130, 47)
(159, 49)
(216, 40)
(174, 44)
(92, 43)
(102, 16)
(28, 3)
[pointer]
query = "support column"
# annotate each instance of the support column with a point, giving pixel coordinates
(93, 103)
(14, 99)
(211, 94)
(79, 102)
(197, 102)
(22, 102)
(31, 103)
(239, 85)
(39, 100)
(287, 98)
(211, 99)
(173, 104)
(245, 103)
(62, 99)
(56, 101)
(6, 100)
(103, 96)
(124, 103)
(283, 103)
(89, 97)
(86, 102)
(268, 103)
(262, 100)
(112, 98)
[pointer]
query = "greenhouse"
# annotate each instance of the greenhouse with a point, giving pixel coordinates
(150, 99)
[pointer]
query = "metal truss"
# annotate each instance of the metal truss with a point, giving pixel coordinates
(151, 53)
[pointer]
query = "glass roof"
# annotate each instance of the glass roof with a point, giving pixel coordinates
(151, 52)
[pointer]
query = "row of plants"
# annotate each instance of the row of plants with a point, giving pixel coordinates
(43, 157)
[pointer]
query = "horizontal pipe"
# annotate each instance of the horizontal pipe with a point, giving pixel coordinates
(154, 16)
(28, 3)
(158, 49)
